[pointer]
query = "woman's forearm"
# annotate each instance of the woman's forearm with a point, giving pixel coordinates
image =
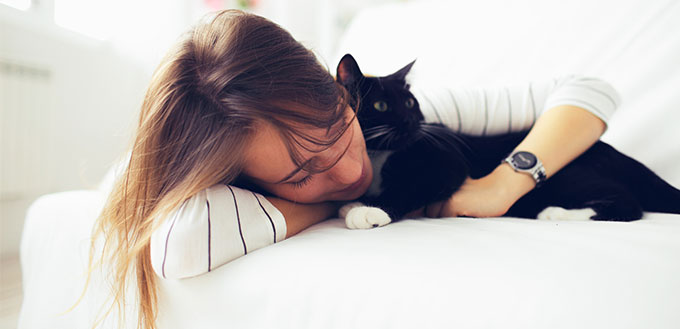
(300, 216)
(559, 136)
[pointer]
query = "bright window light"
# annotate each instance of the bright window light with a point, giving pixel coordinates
(93, 18)
(18, 4)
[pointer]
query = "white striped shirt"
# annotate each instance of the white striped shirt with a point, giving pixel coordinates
(223, 222)
(213, 227)
(498, 110)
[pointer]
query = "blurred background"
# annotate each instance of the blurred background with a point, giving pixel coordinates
(73, 74)
(72, 77)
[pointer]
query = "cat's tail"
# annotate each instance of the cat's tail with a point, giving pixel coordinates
(652, 191)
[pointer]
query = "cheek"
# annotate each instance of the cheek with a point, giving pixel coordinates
(358, 138)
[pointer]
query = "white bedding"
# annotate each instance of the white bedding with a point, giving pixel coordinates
(439, 273)
(431, 273)
(448, 273)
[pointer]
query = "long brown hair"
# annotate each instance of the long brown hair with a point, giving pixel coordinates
(231, 72)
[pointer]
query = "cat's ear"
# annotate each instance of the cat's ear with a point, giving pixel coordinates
(401, 74)
(348, 72)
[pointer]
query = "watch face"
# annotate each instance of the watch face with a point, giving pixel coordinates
(524, 160)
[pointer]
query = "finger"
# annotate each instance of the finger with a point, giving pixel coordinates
(433, 210)
(418, 213)
(448, 210)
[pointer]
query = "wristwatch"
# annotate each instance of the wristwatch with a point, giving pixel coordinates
(527, 162)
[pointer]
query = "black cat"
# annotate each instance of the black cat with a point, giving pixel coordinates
(417, 163)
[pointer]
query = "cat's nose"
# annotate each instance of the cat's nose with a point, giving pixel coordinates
(412, 125)
(407, 130)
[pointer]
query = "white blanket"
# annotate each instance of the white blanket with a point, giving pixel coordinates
(430, 273)
(438, 273)
(447, 273)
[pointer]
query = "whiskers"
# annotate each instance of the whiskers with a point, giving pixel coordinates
(381, 136)
(444, 138)
(387, 137)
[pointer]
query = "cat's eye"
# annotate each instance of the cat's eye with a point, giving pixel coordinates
(380, 106)
(410, 103)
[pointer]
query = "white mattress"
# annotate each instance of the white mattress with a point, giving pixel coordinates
(438, 273)
(447, 273)
(430, 273)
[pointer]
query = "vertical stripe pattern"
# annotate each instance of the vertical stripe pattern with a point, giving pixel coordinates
(433, 108)
(167, 239)
(266, 213)
(238, 219)
(207, 204)
(533, 103)
(455, 105)
(507, 92)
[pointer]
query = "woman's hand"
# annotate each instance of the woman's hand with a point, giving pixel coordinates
(553, 139)
(489, 196)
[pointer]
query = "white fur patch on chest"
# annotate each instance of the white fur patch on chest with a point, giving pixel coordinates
(378, 159)
(559, 213)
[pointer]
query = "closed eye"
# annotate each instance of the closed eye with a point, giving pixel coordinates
(302, 182)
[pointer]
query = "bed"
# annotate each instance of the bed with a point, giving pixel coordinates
(437, 273)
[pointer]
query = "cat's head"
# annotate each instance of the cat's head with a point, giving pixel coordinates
(388, 113)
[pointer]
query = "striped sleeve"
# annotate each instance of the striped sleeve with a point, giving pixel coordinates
(592, 94)
(217, 225)
(498, 110)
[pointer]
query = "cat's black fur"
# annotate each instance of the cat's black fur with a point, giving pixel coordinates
(429, 162)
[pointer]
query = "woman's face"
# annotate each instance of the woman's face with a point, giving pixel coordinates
(269, 165)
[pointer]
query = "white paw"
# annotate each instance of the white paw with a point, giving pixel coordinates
(359, 216)
(553, 213)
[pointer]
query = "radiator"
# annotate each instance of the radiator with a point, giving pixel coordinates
(26, 107)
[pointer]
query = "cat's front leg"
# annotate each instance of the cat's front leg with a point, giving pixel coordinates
(360, 216)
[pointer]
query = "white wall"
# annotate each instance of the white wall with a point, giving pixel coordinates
(89, 117)
(99, 85)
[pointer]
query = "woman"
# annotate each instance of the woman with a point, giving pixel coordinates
(239, 106)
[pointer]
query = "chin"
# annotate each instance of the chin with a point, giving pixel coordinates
(354, 195)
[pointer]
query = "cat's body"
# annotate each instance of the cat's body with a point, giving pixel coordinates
(418, 163)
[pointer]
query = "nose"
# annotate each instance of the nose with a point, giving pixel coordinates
(347, 170)
(409, 126)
